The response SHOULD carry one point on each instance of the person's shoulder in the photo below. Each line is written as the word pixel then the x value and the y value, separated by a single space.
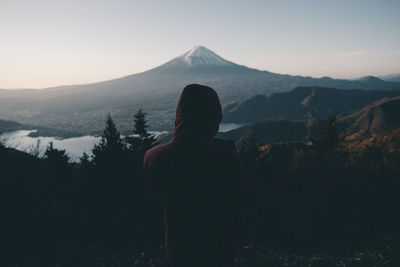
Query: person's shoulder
pixel 157 151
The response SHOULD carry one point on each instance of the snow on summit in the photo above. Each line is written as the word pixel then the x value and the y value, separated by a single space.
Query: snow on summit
pixel 200 55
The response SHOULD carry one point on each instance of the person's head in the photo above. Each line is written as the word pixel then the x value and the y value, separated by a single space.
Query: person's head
pixel 198 112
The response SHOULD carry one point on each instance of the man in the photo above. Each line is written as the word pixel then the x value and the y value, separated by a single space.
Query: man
pixel 199 184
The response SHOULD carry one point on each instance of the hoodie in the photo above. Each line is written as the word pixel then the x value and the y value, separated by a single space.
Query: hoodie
pixel 198 184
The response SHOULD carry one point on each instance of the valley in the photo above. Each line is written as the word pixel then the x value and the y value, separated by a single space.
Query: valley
pixel 82 108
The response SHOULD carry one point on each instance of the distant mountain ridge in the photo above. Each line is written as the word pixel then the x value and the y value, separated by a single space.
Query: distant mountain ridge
pixel 302 103
pixel 391 78
pixel 82 108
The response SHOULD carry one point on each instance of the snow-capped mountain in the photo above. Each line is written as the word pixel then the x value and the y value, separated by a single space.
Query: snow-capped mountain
pixel 82 108
pixel 199 59
pixel 200 55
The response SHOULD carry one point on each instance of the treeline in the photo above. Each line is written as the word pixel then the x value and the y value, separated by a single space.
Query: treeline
pixel 62 212
pixel 323 195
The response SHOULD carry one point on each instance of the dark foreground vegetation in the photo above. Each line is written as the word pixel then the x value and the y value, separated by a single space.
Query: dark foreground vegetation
pixel 331 201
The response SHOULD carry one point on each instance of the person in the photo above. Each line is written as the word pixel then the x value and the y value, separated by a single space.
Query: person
pixel 199 183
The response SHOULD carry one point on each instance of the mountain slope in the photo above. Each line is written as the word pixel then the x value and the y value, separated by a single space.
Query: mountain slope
pixel 274 132
pixel 82 108
pixel 382 116
pixel 11 126
pixel 302 103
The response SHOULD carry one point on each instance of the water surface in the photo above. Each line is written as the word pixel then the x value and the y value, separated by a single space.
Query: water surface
pixel 74 147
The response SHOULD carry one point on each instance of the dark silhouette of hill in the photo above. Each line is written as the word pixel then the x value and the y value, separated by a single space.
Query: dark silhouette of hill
pixel 375 83
pixel 302 103
pixel 381 115
pixel 10 126
pixel 274 132
pixel 81 108
pixel 15 156
pixel 372 80
pixel 391 78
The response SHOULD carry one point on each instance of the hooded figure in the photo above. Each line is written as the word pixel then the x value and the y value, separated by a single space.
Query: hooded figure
pixel 197 183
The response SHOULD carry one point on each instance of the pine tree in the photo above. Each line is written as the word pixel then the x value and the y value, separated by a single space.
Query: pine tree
pixel 330 133
pixel 329 138
pixel 141 125
pixel 143 140
pixel 110 146
pixel 85 160
pixel 56 156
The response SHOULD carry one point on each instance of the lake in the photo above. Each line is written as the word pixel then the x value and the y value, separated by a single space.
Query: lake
pixel 74 147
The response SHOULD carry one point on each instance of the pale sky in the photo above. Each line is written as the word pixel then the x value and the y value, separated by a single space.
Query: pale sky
pixel 46 43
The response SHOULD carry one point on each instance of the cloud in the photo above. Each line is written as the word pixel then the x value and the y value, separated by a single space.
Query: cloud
pixel 353 53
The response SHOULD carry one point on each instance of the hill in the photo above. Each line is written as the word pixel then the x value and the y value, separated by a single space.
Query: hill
pixel 391 78
pixel 11 126
pixel 82 108
pixel 381 118
pixel 302 103
pixel 381 115
pixel 274 132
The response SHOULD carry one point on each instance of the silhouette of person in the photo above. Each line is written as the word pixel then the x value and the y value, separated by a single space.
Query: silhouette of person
pixel 198 183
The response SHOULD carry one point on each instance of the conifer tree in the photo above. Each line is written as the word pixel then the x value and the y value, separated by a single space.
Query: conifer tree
pixel 143 139
pixel 110 145
pixel 329 137
pixel 330 134
pixel 85 160
pixel 141 125
pixel 56 156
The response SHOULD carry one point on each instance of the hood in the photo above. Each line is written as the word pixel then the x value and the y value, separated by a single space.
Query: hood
pixel 198 112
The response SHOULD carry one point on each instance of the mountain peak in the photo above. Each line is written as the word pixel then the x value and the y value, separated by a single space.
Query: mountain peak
pixel 200 55
pixel 370 79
